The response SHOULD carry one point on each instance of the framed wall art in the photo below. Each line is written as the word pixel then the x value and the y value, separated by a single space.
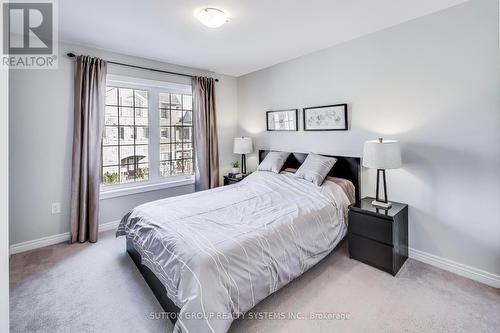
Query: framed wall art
pixel 285 120
pixel 326 118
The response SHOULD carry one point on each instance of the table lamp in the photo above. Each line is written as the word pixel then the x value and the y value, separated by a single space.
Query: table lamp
pixel 243 145
pixel 382 155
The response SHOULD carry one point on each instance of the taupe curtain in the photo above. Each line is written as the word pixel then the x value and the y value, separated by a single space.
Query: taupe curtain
pixel 205 134
pixel 90 89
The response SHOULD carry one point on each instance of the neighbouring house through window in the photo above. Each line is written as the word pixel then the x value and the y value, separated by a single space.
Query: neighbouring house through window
pixel 133 112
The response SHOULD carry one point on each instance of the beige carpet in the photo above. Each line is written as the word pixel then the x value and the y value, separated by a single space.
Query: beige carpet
pixel 97 288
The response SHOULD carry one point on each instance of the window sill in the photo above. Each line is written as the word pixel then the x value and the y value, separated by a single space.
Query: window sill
pixel 119 191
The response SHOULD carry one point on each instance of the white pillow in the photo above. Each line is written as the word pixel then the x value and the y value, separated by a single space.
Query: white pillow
pixel 315 168
pixel 273 161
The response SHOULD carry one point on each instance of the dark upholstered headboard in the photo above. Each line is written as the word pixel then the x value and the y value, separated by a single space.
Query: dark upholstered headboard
pixel 346 167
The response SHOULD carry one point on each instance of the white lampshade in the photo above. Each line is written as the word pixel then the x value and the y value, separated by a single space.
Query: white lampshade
pixel 242 145
pixel 382 154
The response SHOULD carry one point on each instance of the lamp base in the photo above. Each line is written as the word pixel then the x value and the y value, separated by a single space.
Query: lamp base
pixel 380 204
pixel 243 164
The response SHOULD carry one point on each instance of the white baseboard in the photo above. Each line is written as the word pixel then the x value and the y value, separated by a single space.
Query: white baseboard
pixel 55 239
pixel 456 267
pixel 37 243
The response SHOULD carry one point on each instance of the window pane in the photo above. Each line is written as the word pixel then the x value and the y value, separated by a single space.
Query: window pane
pixel 110 175
pixel 127 121
pixel 126 116
pixel 186 134
pixel 111 115
pixel 188 166
pixel 110 135
pixel 142 135
pixel 141 117
pixel 178 134
pixel 111 96
pixel 142 172
pixel 165 169
pixel 178 168
pixel 165 152
pixel 141 99
pixel 177 150
pixel 175 101
pixel 177 117
pixel 109 156
pixel 141 153
pixel 126 135
pixel 127 155
pixel 127 173
pixel 187 118
pixel 187 102
pixel 164 100
pixel 126 97
pixel 187 150
pixel 187 154
pixel 164 134
pixel 164 117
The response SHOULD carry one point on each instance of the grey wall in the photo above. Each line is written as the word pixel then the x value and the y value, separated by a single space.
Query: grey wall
pixel 113 209
pixel 433 84
pixel 41 125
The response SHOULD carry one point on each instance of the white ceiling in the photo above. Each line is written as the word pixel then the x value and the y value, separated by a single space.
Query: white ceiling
pixel 261 33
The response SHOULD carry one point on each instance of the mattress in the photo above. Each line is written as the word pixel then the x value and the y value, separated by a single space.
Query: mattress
pixel 219 252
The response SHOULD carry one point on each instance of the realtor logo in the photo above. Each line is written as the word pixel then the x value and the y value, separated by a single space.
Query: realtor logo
pixel 29 34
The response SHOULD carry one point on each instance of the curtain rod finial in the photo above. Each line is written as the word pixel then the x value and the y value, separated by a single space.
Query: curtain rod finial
pixel 70 54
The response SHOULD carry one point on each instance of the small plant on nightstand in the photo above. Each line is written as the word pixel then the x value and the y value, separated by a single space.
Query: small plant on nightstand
pixel 236 167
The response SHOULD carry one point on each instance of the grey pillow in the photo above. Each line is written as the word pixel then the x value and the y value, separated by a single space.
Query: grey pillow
pixel 315 168
pixel 273 161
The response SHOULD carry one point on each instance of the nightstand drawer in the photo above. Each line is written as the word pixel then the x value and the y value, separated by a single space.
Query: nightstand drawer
pixel 371 252
pixel 230 181
pixel 371 227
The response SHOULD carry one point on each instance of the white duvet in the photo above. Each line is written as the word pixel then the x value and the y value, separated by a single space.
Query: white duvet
pixel 219 252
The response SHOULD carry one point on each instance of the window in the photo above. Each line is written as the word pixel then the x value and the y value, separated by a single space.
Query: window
pixel 176 140
pixel 125 156
pixel 148 132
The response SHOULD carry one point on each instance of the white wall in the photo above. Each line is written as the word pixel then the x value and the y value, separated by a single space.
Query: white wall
pixel 433 84
pixel 41 111
pixel 4 193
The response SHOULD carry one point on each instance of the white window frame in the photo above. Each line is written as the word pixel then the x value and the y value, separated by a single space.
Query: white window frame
pixel 155 181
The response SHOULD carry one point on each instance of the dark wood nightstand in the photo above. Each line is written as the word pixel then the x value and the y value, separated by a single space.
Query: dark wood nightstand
pixel 229 180
pixel 379 237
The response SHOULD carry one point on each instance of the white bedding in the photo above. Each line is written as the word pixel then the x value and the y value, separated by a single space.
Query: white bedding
pixel 219 252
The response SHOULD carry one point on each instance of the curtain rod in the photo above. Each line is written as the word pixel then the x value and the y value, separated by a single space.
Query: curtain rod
pixel 72 55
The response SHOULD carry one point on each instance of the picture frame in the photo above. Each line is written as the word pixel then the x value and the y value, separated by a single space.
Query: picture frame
pixel 326 118
pixel 282 120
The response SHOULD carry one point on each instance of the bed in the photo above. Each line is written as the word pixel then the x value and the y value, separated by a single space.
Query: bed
pixel 211 256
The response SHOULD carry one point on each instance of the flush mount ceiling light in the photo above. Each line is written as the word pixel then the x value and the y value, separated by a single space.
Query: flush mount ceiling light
pixel 212 17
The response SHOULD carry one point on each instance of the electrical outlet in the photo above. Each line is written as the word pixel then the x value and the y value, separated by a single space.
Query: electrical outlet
pixel 56 208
